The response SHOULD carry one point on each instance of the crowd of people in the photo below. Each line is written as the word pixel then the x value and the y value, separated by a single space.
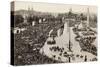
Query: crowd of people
pixel 86 41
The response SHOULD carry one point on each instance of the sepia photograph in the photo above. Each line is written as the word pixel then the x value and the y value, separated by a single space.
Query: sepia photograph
pixel 50 33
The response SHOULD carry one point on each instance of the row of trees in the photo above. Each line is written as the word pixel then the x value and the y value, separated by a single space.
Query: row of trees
pixel 17 19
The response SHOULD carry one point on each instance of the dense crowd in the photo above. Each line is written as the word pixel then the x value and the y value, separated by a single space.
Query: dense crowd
pixel 86 42
pixel 28 44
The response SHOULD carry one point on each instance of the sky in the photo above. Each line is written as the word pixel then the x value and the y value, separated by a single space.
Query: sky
pixel 55 8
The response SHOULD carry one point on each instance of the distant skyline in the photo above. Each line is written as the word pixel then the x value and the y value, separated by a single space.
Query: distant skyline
pixel 54 8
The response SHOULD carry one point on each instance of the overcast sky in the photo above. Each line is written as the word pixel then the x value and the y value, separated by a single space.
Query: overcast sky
pixel 55 8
